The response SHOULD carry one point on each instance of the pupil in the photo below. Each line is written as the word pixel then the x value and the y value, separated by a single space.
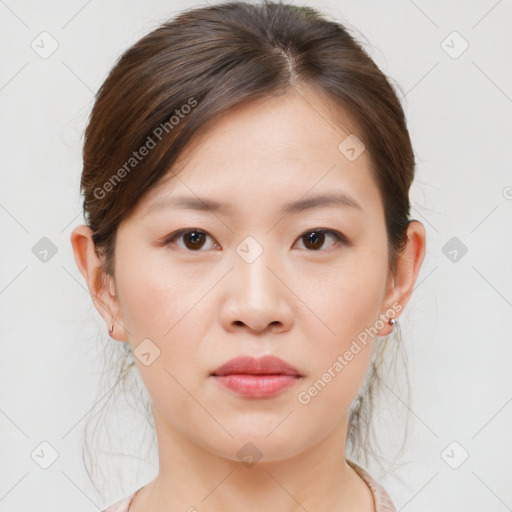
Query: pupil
pixel 314 237
pixel 196 238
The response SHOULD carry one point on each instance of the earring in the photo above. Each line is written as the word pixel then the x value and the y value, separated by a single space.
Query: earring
pixel 392 322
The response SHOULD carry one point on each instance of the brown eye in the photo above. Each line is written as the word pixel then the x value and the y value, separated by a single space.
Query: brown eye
pixel 193 239
pixel 315 239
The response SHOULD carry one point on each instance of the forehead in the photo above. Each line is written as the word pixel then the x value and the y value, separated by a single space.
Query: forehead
pixel 274 151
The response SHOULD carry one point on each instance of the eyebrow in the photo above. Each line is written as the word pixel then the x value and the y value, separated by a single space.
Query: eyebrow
pixel 337 199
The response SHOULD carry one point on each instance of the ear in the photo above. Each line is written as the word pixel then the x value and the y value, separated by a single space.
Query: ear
pixel 400 285
pixel 101 286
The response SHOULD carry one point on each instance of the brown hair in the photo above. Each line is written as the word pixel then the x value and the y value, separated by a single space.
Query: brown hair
pixel 171 85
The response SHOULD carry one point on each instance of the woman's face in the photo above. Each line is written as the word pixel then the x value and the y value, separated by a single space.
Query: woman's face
pixel 255 280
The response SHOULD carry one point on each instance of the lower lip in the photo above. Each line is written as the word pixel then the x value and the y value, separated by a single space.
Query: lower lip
pixel 256 386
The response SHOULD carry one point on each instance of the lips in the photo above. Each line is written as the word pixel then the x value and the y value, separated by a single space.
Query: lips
pixel 266 365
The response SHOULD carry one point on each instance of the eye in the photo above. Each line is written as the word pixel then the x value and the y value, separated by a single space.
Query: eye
pixel 194 239
pixel 315 238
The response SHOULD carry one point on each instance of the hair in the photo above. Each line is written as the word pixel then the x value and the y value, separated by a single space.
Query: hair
pixel 171 86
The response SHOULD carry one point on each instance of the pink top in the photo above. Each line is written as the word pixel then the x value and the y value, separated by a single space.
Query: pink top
pixel 382 500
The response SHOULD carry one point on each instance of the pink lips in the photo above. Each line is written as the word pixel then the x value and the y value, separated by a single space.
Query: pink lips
pixel 256 378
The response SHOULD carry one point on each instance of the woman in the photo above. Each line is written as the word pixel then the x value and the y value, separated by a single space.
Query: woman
pixel 246 194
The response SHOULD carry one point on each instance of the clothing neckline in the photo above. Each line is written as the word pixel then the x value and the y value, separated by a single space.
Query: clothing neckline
pixel 132 497
pixel 381 498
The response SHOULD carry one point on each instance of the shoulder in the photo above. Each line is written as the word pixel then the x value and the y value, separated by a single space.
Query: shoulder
pixel 121 505
pixel 383 502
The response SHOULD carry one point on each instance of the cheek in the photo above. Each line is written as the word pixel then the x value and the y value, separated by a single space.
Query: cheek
pixel 154 295
pixel 340 356
pixel 328 394
pixel 163 304
pixel 348 302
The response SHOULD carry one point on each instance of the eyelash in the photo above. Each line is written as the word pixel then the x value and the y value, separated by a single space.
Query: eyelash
pixel 336 234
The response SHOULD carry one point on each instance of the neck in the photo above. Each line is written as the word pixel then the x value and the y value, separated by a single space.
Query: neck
pixel 193 478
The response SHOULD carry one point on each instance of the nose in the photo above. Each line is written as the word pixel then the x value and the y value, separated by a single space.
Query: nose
pixel 257 297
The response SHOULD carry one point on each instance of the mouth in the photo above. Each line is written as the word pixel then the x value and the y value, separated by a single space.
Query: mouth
pixel 256 386
pixel 256 378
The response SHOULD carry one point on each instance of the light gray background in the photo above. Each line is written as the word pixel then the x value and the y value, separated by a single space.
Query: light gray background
pixel 456 328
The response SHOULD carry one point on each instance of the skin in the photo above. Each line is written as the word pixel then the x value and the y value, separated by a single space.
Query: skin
pixel 204 306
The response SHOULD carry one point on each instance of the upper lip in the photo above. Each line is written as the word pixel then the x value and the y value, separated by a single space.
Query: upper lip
pixel 266 365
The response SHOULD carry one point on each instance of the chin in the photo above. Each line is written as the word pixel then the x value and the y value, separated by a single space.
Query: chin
pixel 253 445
